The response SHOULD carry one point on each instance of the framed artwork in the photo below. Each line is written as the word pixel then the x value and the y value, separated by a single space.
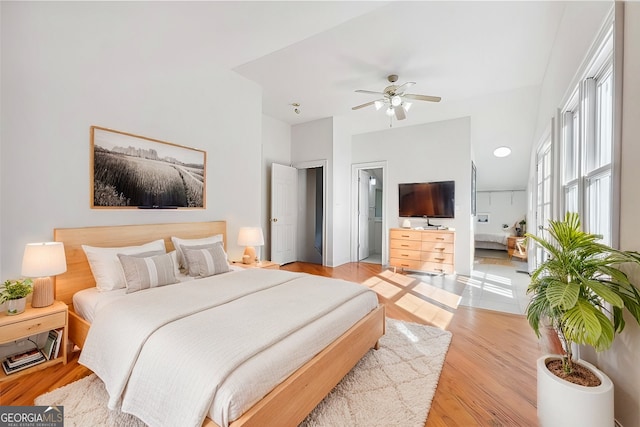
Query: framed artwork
pixel 483 218
pixel 131 171
pixel 473 189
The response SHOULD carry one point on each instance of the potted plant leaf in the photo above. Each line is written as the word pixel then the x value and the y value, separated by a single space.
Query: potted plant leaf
pixel 14 293
pixel 581 292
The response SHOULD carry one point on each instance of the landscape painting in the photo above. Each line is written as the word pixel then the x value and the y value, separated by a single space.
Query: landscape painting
pixel 130 171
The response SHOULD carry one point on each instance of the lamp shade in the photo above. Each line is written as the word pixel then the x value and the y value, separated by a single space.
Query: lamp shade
pixel 43 259
pixel 250 236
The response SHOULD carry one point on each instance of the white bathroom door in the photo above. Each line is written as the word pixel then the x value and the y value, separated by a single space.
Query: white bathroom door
pixel 284 213
pixel 363 214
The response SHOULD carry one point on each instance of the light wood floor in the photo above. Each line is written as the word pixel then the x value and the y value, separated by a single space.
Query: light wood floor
pixel 488 378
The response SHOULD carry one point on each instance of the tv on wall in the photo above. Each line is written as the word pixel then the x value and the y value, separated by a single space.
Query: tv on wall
pixel 427 199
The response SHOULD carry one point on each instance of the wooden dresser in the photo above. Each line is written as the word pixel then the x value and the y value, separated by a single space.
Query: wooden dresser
pixel 422 250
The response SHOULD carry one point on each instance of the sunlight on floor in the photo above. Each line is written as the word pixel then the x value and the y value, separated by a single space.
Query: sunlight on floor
pixel 437 294
pixel 426 311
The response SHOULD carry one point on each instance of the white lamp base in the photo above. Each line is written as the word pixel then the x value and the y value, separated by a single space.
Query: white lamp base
pixel 42 292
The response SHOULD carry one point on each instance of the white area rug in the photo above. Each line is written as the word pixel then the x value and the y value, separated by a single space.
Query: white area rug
pixel 390 386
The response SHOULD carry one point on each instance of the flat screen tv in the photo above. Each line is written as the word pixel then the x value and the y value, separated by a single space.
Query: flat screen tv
pixel 427 199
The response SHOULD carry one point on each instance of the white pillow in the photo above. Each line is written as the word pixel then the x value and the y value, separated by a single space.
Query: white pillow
pixel 106 267
pixel 178 242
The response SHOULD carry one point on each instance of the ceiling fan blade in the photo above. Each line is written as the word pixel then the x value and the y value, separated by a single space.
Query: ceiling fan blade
pixel 422 97
pixel 400 115
pixel 400 90
pixel 357 107
pixel 369 91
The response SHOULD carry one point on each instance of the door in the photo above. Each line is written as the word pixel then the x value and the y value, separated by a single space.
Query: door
pixel 284 218
pixel 363 214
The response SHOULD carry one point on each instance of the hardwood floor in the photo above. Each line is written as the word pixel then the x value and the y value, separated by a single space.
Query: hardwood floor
pixel 488 378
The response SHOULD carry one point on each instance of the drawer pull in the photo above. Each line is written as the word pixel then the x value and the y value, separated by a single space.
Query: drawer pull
pixel 439 259
pixel 439 269
pixel 439 238
pixel 405 246
pixel 404 254
pixel 404 235
pixel 37 325
pixel 440 249
pixel 405 265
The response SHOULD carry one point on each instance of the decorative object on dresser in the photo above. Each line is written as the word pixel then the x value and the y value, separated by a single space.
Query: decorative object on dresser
pixel 52 319
pixel 41 261
pixel 422 250
pixel 14 293
pixel 250 237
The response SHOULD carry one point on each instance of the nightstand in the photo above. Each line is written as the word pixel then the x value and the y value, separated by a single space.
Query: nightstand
pixel 32 322
pixel 261 264
pixel 516 248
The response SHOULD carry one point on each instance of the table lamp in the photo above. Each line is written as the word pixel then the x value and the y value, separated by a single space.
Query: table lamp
pixel 250 237
pixel 41 261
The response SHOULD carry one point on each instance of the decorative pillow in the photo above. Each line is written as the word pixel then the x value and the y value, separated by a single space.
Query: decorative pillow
pixel 206 262
pixel 106 267
pixel 148 272
pixel 178 242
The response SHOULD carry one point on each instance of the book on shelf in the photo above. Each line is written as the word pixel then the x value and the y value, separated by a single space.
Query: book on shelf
pixel 50 345
pixel 24 357
pixel 56 350
pixel 24 365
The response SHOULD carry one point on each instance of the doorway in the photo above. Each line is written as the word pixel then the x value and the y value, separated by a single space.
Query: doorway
pixel 369 225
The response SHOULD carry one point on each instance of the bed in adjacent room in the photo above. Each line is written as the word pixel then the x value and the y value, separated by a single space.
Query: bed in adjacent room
pixel 497 241
pixel 239 348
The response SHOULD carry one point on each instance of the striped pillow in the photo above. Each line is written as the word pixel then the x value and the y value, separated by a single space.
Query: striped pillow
pixel 148 272
pixel 206 262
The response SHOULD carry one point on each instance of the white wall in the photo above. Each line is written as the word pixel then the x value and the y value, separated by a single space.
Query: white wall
pixel 438 151
pixel 621 361
pixel 67 66
pixel 276 148
pixel 572 43
pixel 503 207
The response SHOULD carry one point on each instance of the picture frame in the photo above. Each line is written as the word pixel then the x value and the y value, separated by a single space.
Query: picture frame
pixel 130 171
pixel 482 218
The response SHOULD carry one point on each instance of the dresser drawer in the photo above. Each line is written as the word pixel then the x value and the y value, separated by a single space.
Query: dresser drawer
pixel 414 245
pixel 443 247
pixel 32 326
pixel 405 254
pixel 437 257
pixel 409 264
pixel 405 234
pixel 437 236
pixel 437 268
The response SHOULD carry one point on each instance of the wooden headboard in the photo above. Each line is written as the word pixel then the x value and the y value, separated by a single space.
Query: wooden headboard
pixel 79 276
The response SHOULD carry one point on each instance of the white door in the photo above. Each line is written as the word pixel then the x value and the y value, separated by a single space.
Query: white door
pixel 363 214
pixel 284 213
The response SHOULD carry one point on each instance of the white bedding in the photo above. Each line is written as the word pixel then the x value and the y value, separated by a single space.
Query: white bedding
pixel 224 341
pixel 500 238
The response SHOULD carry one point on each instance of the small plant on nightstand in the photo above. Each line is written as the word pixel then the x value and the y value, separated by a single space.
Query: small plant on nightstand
pixel 14 293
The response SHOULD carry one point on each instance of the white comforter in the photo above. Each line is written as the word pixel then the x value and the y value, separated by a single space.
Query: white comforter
pixel 166 353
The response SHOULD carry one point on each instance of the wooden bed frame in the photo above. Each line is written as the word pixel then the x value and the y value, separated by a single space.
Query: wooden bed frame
pixel 287 404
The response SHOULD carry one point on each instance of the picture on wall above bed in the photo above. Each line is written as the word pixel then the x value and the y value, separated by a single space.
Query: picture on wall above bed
pixel 131 171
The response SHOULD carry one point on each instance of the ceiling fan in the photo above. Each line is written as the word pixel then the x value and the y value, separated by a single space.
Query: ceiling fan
pixel 395 99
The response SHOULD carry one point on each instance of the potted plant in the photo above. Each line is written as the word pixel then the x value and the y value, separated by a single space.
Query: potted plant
pixel 580 291
pixel 14 293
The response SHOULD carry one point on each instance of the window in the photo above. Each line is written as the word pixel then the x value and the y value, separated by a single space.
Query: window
pixel 587 146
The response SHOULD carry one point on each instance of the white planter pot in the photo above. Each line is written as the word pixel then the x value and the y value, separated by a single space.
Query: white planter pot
pixel 561 403
pixel 15 306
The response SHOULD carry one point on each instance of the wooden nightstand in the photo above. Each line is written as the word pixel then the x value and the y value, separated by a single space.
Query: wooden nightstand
pixel 261 264
pixel 32 322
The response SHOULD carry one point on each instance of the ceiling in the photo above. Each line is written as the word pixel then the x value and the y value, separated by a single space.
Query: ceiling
pixel 487 60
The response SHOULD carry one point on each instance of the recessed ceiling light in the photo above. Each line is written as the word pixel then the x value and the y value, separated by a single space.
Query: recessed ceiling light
pixel 502 151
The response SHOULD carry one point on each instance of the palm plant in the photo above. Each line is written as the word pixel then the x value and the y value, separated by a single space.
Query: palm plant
pixel 580 289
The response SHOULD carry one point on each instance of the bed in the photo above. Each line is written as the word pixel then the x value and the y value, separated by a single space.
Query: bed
pixel 497 241
pixel 290 400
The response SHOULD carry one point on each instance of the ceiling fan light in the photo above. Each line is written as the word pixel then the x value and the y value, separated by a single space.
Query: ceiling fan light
pixel 396 100
pixel 378 104
pixel 406 106
pixel 390 111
